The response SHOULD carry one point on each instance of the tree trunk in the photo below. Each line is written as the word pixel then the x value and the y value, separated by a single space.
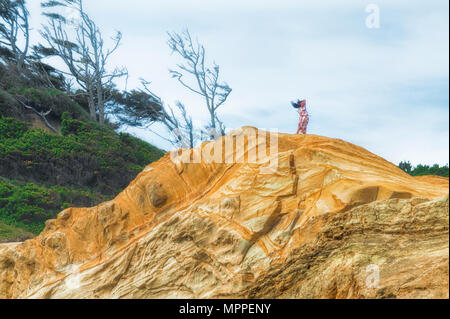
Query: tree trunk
pixel 213 121
pixel 101 103
pixel 92 110
pixel 101 107
pixel 191 137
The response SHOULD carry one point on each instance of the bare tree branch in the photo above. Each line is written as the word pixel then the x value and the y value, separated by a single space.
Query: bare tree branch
pixel 15 29
pixel 43 115
pixel 205 80
pixel 84 53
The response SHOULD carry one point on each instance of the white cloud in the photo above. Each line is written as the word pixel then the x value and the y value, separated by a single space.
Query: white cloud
pixel 385 89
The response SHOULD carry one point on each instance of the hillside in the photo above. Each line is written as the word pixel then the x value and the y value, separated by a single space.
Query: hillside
pixel 317 227
pixel 42 173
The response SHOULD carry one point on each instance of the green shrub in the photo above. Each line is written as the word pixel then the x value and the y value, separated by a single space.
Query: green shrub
pixel 71 126
pixel 422 170
pixel 45 99
pixel 10 234
pixel 29 205
pixel 8 105
pixel 86 155
pixel 42 173
pixel 11 128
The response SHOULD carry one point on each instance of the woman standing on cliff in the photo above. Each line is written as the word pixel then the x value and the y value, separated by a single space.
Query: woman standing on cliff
pixel 304 116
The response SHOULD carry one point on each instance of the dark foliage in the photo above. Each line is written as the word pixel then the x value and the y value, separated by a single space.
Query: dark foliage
pixel 87 155
pixel 41 173
pixel 137 108
pixel 29 205
pixel 422 170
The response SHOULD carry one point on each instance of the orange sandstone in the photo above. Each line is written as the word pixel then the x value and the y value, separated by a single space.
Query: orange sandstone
pixel 333 221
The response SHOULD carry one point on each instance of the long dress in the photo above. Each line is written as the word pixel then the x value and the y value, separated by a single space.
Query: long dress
pixel 304 120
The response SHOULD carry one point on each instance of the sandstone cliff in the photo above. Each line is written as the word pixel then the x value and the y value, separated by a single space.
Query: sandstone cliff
pixel 333 221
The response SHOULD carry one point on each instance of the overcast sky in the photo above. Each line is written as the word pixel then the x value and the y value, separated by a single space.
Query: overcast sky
pixel 385 89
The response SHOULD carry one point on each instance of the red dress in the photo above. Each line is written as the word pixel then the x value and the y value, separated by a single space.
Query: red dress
pixel 304 120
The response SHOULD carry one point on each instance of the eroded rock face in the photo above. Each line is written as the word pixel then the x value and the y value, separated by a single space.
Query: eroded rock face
pixel 157 194
pixel 333 221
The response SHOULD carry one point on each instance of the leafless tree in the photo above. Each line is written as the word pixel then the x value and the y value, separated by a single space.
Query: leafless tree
pixel 142 108
pixel 41 114
pixel 202 80
pixel 79 43
pixel 178 122
pixel 180 127
pixel 15 29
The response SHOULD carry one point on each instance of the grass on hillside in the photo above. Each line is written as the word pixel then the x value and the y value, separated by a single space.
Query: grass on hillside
pixel 29 205
pixel 85 155
pixel 11 234
pixel 42 173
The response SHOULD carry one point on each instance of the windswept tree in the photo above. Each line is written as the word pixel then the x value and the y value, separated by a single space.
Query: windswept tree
pixel 142 108
pixel 48 75
pixel 15 30
pixel 80 45
pixel 199 78
pixel 24 68
pixel 180 126
pixel 137 108
pixel 406 166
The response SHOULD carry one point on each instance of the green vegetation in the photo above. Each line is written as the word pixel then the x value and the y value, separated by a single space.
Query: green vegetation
pixel 42 173
pixel 28 205
pixel 44 99
pixel 10 234
pixel 421 170
pixel 8 104
pixel 78 163
pixel 58 146
pixel 85 155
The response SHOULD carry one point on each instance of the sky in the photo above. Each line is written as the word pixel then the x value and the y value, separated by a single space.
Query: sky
pixel 385 88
